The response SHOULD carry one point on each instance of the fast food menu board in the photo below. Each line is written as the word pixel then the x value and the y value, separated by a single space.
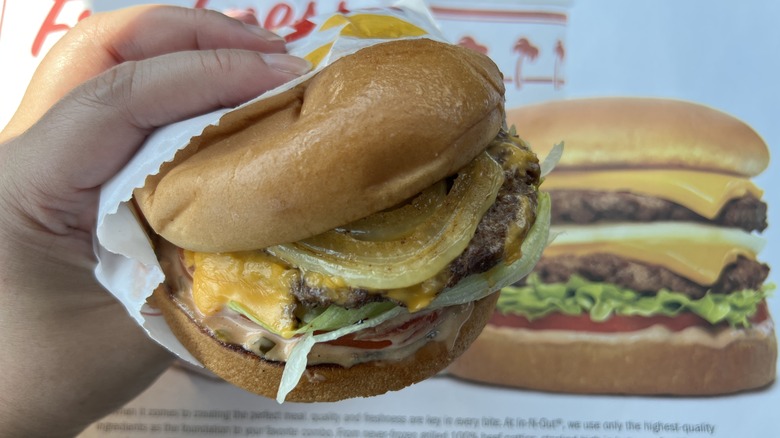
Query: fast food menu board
pixel 611 49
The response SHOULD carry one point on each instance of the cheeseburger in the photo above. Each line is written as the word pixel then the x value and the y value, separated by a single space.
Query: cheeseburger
pixel 651 285
pixel 345 238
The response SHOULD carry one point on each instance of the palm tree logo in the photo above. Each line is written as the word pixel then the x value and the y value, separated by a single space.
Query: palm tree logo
pixel 560 54
pixel 526 50
pixel 470 42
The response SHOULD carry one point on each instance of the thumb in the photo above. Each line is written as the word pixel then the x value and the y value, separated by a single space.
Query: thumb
pixel 90 134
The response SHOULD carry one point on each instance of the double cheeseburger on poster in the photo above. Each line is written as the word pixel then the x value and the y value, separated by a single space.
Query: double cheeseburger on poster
pixel 652 284
pixel 343 235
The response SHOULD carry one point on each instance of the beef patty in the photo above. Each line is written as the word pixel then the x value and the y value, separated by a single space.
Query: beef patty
pixel 742 274
pixel 589 207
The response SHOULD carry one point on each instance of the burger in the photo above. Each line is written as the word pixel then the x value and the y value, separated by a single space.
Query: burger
pixel 345 237
pixel 651 285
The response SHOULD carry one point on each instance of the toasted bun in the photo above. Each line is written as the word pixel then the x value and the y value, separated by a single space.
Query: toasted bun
pixel 375 127
pixel 642 132
pixel 320 383
pixel 649 362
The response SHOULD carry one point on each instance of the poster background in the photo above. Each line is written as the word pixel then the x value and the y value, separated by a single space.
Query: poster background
pixel 717 53
pixel 720 53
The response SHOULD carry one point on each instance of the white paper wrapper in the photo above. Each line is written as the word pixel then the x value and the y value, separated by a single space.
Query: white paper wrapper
pixel 127 265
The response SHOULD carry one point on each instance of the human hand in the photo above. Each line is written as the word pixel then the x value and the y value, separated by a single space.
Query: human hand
pixel 71 353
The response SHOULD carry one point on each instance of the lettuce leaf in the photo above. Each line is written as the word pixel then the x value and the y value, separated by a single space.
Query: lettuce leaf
pixel 336 317
pixel 603 300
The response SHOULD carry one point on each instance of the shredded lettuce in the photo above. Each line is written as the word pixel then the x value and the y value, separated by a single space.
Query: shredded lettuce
pixel 551 160
pixel 335 322
pixel 296 362
pixel 336 317
pixel 603 300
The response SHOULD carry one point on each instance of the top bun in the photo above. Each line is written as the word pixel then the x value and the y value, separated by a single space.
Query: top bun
pixel 642 132
pixel 364 134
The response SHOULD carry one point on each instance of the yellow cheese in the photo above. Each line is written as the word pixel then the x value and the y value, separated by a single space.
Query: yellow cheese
pixel 697 252
pixel 255 280
pixel 703 192
pixel 419 296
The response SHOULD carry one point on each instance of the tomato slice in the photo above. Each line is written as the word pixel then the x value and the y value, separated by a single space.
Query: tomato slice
pixel 365 344
pixel 615 324
pixel 381 337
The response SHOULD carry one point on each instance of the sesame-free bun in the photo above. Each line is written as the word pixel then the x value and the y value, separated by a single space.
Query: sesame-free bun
pixel 362 135
pixel 649 362
pixel 320 383
pixel 626 132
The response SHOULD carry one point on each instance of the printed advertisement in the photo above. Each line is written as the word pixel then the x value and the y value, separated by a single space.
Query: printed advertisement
pixel 650 313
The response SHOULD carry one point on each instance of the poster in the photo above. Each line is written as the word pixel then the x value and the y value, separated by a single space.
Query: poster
pixel 720 54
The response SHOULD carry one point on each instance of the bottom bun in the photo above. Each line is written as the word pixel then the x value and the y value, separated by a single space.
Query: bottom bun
pixel 654 361
pixel 324 382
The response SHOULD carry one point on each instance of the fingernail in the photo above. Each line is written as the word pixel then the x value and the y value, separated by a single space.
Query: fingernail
pixel 243 15
pixel 286 63
pixel 262 32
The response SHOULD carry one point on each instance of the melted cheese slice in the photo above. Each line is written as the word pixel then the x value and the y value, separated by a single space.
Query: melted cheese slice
pixel 703 192
pixel 255 280
pixel 697 252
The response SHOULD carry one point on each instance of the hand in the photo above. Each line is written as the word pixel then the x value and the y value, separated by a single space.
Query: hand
pixel 71 354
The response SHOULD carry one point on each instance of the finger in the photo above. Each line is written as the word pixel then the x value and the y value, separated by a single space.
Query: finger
pixel 247 16
pixel 147 31
pixel 89 135
pixel 105 40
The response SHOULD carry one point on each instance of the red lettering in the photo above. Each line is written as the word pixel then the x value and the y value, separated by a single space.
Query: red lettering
pixel 309 11
pixel 303 26
pixel 50 25
pixel 279 16
pixel 200 4
pixel 343 7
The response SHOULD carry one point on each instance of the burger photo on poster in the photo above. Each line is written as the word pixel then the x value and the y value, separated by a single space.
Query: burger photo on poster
pixel 346 237
pixel 652 284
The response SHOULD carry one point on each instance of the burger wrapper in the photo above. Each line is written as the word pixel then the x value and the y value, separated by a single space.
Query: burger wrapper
pixel 127 265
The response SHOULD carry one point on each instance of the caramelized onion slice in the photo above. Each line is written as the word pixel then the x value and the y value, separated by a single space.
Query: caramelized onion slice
pixel 419 253
pixel 398 222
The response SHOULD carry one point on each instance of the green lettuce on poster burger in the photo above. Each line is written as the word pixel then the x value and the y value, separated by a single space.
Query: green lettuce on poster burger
pixel 605 307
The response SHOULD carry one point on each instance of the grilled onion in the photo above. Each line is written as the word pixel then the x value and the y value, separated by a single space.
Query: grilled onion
pixel 418 252
pixel 398 222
